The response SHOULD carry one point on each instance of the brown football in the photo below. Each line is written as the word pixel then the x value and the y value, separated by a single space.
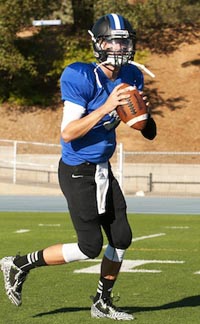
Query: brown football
pixel 134 113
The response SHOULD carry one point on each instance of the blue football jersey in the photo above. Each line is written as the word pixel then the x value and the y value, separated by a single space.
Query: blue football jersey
pixel 81 85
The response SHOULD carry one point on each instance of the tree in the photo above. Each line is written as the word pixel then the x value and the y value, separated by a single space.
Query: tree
pixel 30 67
pixel 83 14
pixel 16 61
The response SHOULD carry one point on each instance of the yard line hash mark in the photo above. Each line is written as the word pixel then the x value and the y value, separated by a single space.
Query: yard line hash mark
pixel 129 266
pixel 143 237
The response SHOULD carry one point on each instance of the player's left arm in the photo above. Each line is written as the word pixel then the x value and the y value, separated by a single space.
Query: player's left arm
pixel 150 130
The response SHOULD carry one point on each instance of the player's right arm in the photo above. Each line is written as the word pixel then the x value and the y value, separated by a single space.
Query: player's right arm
pixel 75 124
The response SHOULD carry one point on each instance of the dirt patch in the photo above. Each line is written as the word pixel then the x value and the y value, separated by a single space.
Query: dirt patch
pixel 174 96
pixel 175 100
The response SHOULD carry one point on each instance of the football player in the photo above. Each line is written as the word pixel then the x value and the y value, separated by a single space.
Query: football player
pixel 90 93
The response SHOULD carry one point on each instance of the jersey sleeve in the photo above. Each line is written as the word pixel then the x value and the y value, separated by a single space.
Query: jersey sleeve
pixel 76 84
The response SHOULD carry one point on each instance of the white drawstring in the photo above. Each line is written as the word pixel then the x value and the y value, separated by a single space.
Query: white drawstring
pixel 141 66
pixel 96 74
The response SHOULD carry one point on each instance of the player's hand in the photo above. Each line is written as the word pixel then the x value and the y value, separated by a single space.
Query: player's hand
pixel 117 97
pixel 145 100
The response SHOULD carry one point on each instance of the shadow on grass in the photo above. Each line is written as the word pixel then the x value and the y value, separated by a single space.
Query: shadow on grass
pixel 63 310
pixel 191 301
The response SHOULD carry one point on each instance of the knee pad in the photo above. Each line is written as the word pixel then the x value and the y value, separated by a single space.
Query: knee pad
pixel 114 254
pixel 71 252
pixel 122 239
pixel 91 248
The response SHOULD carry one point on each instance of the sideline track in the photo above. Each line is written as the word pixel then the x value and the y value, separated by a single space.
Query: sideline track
pixel 142 205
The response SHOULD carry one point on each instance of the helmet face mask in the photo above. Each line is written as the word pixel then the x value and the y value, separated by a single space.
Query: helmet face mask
pixel 113 40
pixel 115 51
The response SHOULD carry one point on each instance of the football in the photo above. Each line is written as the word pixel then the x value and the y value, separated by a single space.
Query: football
pixel 134 113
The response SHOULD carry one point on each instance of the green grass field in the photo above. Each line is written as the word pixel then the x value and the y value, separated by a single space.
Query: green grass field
pixel 162 287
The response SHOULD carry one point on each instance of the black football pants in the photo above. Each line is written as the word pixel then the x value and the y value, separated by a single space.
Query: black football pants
pixel 79 188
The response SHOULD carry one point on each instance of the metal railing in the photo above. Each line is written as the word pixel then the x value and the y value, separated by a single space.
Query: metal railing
pixel 22 161
pixel 146 172
pixel 161 172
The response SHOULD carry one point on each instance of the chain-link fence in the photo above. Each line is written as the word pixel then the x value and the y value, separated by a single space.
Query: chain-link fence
pixel 141 173
pixel 29 162
pixel 169 173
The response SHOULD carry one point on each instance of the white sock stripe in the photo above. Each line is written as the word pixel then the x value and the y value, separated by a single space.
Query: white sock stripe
pixel 100 287
pixel 29 258
pixel 36 256
pixel 32 257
